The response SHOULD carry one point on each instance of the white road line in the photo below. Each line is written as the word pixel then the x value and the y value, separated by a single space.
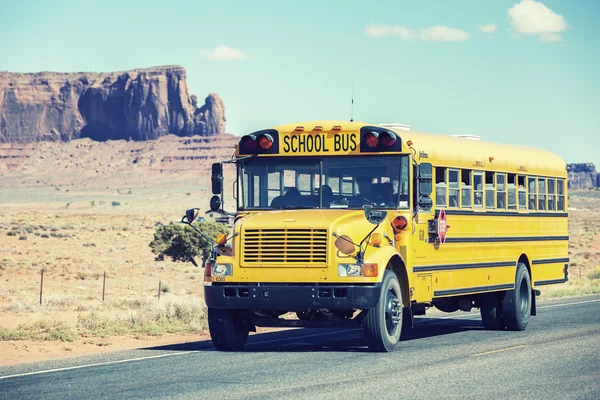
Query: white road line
pixel 570 304
pixel 95 365
pixel 162 355
pixel 249 344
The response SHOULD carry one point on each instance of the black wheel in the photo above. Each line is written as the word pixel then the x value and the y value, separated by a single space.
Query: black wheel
pixel 226 331
pixel 516 305
pixel 383 323
pixel 490 307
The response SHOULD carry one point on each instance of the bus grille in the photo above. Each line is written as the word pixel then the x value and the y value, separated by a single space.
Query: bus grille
pixel 285 246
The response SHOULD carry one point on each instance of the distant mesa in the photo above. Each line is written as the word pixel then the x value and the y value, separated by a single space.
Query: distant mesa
pixel 141 104
pixel 583 176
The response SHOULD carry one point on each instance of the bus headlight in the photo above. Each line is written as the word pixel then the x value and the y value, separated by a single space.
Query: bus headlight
pixel 222 270
pixel 349 270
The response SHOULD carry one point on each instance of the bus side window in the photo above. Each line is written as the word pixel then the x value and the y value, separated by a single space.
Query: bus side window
pixel 489 190
pixel 532 194
pixel 541 194
pixel 551 194
pixel 522 193
pixel 560 185
pixel 500 191
pixel 512 192
pixel 453 188
pixel 440 186
pixel 478 188
pixel 466 188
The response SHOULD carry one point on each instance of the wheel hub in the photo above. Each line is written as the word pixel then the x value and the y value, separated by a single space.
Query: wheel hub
pixel 393 312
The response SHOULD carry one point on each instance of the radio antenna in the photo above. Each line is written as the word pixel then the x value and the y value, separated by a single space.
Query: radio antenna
pixel 352 102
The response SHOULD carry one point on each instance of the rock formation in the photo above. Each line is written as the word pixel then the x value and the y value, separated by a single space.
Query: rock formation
pixel 134 105
pixel 583 176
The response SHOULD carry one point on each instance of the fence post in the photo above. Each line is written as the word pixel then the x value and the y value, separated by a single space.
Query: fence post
pixel 103 286
pixel 159 289
pixel 41 285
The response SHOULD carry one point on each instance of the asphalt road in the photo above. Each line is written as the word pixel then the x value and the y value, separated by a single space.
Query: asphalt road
pixel 557 357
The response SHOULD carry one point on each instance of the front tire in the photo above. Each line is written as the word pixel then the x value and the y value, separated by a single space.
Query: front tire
pixel 383 323
pixel 226 330
pixel 516 305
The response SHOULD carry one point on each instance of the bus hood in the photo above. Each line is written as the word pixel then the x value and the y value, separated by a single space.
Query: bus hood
pixel 302 238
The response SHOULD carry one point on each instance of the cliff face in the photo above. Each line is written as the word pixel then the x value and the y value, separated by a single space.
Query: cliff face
pixel 139 105
pixel 583 176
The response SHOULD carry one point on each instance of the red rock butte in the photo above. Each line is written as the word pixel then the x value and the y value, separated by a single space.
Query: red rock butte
pixel 140 104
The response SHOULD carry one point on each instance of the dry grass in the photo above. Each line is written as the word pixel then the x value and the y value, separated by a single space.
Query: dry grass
pixel 86 240
pixel 151 318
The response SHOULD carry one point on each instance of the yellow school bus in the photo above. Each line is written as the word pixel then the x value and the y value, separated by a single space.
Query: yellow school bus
pixel 347 224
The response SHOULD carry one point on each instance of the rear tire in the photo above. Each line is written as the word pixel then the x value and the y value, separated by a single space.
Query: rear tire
pixel 226 331
pixel 491 311
pixel 383 323
pixel 516 305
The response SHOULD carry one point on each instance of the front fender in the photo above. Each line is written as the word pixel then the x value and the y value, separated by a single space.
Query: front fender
pixel 381 256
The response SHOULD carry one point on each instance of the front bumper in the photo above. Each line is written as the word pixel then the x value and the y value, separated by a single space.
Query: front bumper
pixel 291 297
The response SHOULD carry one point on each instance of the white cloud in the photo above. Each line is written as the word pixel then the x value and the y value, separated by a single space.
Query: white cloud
pixel 387 30
pixel 224 53
pixel 489 28
pixel 438 33
pixel 442 33
pixel 530 17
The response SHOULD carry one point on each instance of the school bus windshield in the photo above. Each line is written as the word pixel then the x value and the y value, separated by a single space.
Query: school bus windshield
pixel 324 182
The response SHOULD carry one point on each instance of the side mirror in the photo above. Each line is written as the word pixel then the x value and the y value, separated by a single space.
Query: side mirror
pixel 192 214
pixel 215 203
pixel 217 178
pixel 375 216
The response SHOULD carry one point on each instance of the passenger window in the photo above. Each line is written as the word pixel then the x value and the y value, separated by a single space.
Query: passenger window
pixel 551 194
pixel 560 185
pixel 522 193
pixel 501 191
pixel 466 188
pixel 489 190
pixel 541 194
pixel 478 189
pixel 453 188
pixel 440 187
pixel 334 183
pixel 512 192
pixel 532 194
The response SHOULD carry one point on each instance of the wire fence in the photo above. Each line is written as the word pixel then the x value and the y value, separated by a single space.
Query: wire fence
pixel 20 283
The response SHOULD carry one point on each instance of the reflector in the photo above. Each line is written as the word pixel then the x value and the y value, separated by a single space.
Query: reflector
pixel 221 239
pixel 370 269
pixel 399 223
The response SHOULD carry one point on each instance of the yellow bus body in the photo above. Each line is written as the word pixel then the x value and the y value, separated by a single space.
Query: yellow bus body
pixel 482 247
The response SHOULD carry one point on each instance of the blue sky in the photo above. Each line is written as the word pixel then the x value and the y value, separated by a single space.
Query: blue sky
pixel 513 71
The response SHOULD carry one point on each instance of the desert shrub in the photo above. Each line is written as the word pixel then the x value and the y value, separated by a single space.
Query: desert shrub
pixel 595 274
pixel 182 243
pixel 39 330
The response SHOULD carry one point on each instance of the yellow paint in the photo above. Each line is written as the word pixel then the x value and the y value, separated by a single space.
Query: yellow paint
pixel 498 351
pixel 256 259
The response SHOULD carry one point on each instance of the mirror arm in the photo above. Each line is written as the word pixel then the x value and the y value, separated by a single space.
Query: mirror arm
pixel 185 221
pixel 361 252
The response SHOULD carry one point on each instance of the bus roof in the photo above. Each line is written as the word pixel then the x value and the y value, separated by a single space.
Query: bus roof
pixel 453 151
